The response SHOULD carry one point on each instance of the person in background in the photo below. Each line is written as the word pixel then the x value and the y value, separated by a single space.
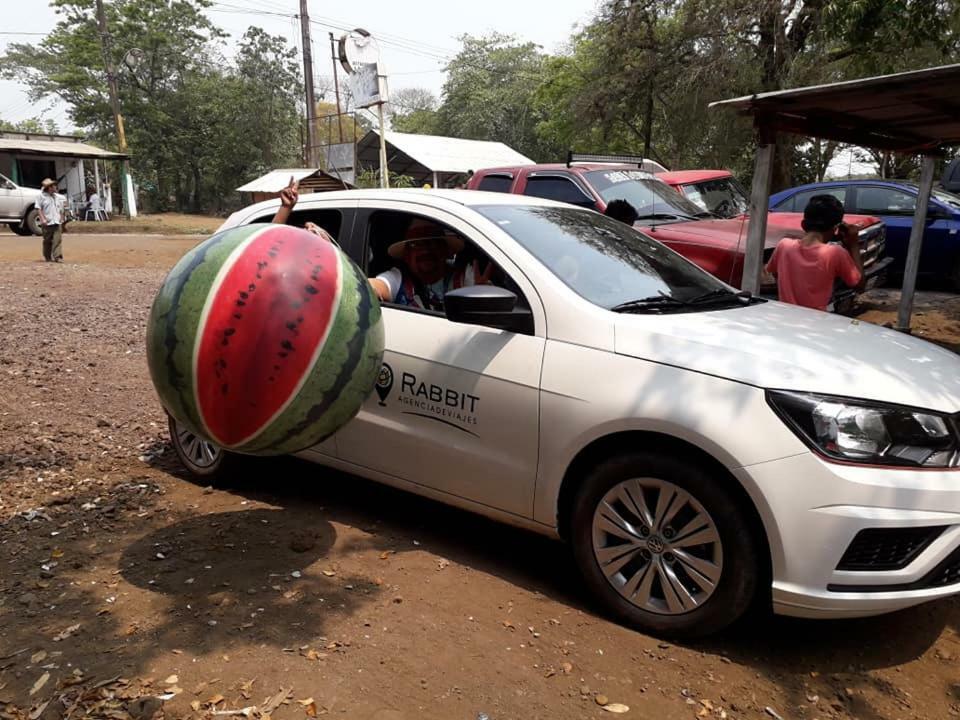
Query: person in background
pixel 51 217
pixel 806 268
pixel 621 210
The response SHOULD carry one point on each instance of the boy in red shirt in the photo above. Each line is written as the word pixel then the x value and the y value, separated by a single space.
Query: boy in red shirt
pixel 806 268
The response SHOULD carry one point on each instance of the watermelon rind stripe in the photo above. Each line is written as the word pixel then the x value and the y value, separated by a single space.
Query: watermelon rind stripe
pixel 175 316
pixel 350 362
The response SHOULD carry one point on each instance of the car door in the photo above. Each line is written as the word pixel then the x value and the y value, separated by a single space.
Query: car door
pixel 9 199
pixel 456 408
pixel 896 207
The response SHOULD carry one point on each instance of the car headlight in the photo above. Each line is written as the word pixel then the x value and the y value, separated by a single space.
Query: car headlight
pixel 870 433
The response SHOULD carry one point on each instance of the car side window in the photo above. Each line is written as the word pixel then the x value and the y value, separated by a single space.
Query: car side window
pixel 465 265
pixel 557 188
pixel 330 220
pixel 496 183
pixel 874 200
pixel 801 199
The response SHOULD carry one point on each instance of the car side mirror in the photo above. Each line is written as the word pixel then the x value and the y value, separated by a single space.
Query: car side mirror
pixel 487 305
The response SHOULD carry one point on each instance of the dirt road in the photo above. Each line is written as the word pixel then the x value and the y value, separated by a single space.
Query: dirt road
pixel 361 601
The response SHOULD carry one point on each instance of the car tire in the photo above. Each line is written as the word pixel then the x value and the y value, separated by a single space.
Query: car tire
pixel 20 229
pixel 32 222
pixel 204 460
pixel 652 577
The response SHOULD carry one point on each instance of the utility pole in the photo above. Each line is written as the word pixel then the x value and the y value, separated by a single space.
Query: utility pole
pixel 308 82
pixel 336 83
pixel 129 207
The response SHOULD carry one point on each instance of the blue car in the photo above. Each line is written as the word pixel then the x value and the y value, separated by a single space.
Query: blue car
pixel 894 202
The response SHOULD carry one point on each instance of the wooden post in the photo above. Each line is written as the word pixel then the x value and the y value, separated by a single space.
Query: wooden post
pixel 126 183
pixel 916 243
pixel 759 202
pixel 308 85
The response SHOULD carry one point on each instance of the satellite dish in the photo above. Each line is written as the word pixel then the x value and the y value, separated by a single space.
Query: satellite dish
pixel 358 48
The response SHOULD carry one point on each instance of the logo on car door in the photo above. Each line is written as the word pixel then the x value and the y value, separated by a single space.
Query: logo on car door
pixel 384 383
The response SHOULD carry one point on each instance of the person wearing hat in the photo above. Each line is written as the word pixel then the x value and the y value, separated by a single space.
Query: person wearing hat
pixel 424 275
pixel 806 268
pixel 51 219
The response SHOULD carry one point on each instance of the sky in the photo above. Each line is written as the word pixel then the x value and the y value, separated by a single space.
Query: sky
pixel 415 36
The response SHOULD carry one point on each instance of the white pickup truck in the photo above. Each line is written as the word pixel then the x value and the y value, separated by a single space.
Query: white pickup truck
pixel 17 207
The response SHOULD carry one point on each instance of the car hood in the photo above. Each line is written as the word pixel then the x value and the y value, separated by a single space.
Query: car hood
pixel 780 346
pixel 732 232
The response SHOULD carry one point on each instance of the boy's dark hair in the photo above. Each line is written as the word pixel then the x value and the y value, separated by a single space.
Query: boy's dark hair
pixel 822 213
pixel 621 210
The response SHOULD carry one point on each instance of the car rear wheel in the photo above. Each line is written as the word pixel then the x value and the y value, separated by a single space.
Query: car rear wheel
pixel 200 457
pixel 663 545
pixel 20 229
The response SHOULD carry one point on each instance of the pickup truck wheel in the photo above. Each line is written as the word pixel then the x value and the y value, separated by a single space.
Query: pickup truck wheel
pixel 19 229
pixel 201 458
pixel 32 222
pixel 662 545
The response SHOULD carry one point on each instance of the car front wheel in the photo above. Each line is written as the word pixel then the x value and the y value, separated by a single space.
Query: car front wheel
pixel 663 545
pixel 202 458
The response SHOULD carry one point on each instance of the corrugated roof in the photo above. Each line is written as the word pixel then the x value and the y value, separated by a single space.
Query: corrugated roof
pixel 441 154
pixel 276 180
pixel 56 147
pixel 910 111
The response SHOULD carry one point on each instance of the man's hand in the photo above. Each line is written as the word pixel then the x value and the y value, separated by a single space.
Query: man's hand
pixel 482 278
pixel 849 235
pixel 290 194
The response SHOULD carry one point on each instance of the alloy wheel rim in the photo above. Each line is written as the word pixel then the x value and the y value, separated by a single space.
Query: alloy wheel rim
pixel 199 452
pixel 657 546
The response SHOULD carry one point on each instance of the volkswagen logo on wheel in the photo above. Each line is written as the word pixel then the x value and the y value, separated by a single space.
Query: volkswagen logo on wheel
pixel 384 383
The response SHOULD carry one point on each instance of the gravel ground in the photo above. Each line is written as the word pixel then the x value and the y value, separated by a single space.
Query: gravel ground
pixel 301 592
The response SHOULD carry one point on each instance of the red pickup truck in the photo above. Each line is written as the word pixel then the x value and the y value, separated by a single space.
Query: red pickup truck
pixel 715 244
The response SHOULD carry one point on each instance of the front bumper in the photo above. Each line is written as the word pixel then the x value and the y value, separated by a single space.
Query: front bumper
pixel 815 509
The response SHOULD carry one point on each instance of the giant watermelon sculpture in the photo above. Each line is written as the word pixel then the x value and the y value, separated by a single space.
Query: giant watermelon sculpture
pixel 264 339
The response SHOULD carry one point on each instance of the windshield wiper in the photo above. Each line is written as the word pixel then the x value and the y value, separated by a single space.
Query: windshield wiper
pixel 654 302
pixel 664 216
pixel 720 295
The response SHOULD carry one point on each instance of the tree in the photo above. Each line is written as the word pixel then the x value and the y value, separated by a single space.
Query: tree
pixel 489 94
pixel 413 110
pixel 31 125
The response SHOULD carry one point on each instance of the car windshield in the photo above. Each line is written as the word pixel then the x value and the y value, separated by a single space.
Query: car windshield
pixel 609 263
pixel 652 199
pixel 947 198
pixel 724 196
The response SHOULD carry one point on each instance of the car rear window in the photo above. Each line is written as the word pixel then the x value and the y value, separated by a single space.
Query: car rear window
pixel 496 183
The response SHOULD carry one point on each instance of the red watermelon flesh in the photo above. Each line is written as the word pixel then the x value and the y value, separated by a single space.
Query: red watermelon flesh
pixel 266 322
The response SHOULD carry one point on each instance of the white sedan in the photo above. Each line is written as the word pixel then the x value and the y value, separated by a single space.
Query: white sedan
pixel 698 448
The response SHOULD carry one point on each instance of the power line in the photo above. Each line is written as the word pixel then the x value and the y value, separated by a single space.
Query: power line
pixel 20 32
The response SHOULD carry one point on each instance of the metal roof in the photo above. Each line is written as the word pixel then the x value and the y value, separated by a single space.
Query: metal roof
pixel 422 155
pixel 39 145
pixel 276 180
pixel 917 111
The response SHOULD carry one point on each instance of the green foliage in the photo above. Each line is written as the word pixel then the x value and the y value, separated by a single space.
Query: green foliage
pixel 31 125
pixel 489 91
pixel 370 178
